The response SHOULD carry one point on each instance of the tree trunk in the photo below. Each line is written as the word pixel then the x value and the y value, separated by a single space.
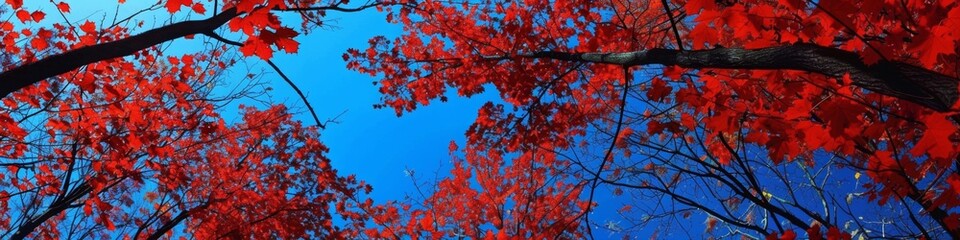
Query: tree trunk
pixel 897 79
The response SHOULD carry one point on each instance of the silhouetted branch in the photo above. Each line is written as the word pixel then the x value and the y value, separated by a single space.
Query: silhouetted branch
pixel 300 93
pixel 897 79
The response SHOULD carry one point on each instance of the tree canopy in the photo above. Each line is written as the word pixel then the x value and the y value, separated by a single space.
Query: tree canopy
pixel 743 113
pixel 745 118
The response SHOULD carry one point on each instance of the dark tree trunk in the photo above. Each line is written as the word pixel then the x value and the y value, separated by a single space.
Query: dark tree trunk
pixel 897 79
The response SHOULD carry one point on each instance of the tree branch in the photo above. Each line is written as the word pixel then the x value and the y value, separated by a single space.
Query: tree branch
pixel 673 23
pixel 30 73
pixel 897 79
pixel 25 75
pixel 59 206
pixel 334 7
pixel 183 215
pixel 300 93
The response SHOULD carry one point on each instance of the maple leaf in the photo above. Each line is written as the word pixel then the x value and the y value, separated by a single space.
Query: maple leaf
pixel 39 43
pixel 88 27
pixel 282 38
pixel 23 15
pixel 37 16
pixel 936 139
pixel 658 90
pixel 623 137
pixel 954 184
pixel 559 68
pixel 788 235
pixel 63 7
pixel 174 5
pixel 935 43
pixel 452 147
pixel 15 4
pixel 198 8
pixel 256 47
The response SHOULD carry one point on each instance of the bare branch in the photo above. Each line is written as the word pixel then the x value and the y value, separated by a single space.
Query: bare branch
pixel 297 89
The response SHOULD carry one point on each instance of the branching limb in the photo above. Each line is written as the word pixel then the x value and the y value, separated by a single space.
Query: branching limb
pixel 282 75
pixel 25 75
pixel 892 78
pixel 28 74
pixel 608 156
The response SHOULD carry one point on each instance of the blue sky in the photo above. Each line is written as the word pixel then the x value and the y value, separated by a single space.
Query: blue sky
pixel 374 144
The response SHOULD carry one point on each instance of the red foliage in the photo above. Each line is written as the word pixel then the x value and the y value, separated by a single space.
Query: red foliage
pixel 137 147
pixel 908 151
pixel 86 145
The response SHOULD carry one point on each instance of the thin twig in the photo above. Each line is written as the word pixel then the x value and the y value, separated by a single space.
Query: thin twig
pixel 222 39
pixel 608 155
pixel 282 75
pixel 297 89
pixel 673 23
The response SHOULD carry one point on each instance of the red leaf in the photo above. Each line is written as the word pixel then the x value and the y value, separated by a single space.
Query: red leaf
pixel 936 138
pixel 834 233
pixel 88 27
pixel 39 43
pixel 64 7
pixel 23 15
pixel 954 182
pixel 288 45
pixel 256 47
pixel 37 16
pixel 673 72
pixel 453 146
pixel 658 90
pixel 15 4
pixel 623 137
pixel 174 5
pixel 788 235
pixel 88 208
pixel 107 222
pixel 197 7
pixel 933 44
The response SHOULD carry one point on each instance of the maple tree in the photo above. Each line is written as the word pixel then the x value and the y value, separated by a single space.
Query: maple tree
pixel 766 118
pixel 726 110
pixel 103 134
